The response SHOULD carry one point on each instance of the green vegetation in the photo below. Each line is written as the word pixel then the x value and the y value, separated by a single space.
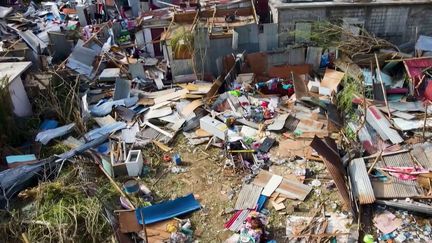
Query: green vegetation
pixel 351 89
pixel 66 210
pixel 182 43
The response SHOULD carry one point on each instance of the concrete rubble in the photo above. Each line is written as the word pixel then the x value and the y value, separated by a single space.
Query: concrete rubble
pixel 325 140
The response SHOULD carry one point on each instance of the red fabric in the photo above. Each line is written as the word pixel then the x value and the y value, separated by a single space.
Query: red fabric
pixel 428 92
pixel 397 91
pixel 415 69
pixel 416 66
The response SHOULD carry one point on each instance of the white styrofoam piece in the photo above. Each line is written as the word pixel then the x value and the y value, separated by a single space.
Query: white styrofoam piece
pixel 213 126
pixel 134 162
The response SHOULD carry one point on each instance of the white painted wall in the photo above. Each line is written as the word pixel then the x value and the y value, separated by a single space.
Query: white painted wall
pixel 20 101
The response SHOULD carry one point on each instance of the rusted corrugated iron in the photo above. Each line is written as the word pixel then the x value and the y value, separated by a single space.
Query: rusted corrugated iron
pixel 399 160
pixel 423 154
pixel 396 188
pixel 360 182
pixel 333 162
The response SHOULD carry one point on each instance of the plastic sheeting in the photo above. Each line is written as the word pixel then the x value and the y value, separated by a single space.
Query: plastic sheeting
pixel 46 136
pixel 12 181
pixel 424 43
pixel 107 129
pixel 84 147
pixel 167 210
pixel 103 109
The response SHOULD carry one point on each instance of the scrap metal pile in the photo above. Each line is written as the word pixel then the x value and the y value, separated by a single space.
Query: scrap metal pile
pixel 335 142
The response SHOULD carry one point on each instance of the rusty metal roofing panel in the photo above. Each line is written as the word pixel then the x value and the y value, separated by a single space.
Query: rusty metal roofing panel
pixel 291 123
pixel 423 154
pixel 360 182
pixel 289 188
pixel 248 197
pixel 334 165
pixel 399 160
pixel 396 188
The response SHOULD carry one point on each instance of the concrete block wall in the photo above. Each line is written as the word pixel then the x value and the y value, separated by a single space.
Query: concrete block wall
pixel 396 23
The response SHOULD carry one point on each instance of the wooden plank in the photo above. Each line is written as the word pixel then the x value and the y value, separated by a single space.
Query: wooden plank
pixel 331 79
pixel 170 96
pixel 288 188
pixel 162 146
pixel 191 107
pixel 277 206
pixel 159 129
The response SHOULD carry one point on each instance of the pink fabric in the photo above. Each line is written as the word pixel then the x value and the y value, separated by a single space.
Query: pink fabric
pixel 405 173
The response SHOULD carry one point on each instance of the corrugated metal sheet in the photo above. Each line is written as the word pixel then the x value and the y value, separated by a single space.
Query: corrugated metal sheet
pixel 236 222
pixel 407 106
pixel 313 56
pixel 269 37
pixel 424 43
pixel 277 58
pixel 297 56
pixel 289 188
pixel 380 123
pixel 423 154
pixel 291 123
pixel 360 182
pixel 334 165
pixel 408 206
pixel 248 197
pixel 399 160
pixel 181 67
pixel 396 189
pixel 36 44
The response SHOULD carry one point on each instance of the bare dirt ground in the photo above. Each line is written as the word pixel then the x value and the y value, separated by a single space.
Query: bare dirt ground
pixel 217 190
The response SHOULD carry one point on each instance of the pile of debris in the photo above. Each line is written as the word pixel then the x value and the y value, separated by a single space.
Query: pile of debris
pixel 315 135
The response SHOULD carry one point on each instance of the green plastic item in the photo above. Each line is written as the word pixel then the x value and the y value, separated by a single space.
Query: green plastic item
pixel 298 132
pixel 235 93
pixel 368 238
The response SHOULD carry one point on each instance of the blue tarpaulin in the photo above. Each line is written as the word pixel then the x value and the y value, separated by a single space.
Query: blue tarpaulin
pixel 167 210
pixel 261 201
pixel 48 124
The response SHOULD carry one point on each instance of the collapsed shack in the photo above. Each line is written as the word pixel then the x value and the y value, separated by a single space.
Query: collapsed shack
pixel 328 138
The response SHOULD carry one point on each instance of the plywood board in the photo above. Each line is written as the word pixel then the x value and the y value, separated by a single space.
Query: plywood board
pixel 128 222
pixel 289 188
pixel 188 109
pixel 157 232
pixel 331 79
pixel 271 185
pixel 170 96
